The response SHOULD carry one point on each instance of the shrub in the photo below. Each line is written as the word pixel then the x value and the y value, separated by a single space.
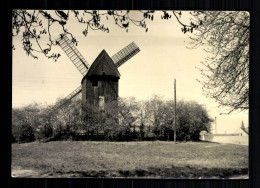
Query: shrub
pixel 62 132
pixel 25 133
pixel 44 132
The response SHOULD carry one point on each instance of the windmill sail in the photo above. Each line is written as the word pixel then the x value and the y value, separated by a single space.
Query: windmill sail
pixel 78 60
pixel 126 114
pixel 66 100
pixel 125 54
pixel 74 55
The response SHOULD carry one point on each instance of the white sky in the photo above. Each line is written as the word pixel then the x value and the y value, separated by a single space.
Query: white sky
pixel 162 58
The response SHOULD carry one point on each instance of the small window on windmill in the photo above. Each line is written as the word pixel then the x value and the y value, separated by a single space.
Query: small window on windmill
pixel 101 103
pixel 95 83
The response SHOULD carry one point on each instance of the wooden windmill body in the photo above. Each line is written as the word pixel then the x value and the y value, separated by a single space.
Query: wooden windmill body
pixel 99 85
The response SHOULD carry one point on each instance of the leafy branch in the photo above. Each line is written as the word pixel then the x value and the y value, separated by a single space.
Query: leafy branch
pixel 35 25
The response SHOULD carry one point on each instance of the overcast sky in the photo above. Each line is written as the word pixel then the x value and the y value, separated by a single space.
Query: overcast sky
pixel 163 57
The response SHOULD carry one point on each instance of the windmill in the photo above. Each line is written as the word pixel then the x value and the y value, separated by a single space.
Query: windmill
pixel 99 84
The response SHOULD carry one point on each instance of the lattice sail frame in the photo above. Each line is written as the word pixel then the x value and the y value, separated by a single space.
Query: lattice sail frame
pixel 66 100
pixel 74 55
pixel 125 54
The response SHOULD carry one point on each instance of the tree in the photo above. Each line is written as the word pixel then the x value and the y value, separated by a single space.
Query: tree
pixel 25 122
pixel 69 113
pixel 64 118
pixel 192 118
pixel 45 129
pixel 225 34
pixel 104 121
pixel 128 117
pixel 39 27
pixel 45 121
pixel 157 113
pixel 36 122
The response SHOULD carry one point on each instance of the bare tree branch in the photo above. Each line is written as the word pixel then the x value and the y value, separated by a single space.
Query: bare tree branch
pixel 226 77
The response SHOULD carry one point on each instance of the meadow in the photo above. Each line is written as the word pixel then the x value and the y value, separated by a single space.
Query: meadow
pixel 154 159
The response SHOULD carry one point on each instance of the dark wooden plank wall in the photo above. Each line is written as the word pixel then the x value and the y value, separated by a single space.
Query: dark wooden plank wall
pixel 90 94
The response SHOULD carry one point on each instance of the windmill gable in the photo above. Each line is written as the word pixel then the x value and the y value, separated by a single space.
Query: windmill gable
pixel 103 65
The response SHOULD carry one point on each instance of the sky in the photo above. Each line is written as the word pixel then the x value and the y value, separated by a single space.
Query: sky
pixel 163 57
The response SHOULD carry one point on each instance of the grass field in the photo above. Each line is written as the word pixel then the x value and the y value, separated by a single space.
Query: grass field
pixel 129 159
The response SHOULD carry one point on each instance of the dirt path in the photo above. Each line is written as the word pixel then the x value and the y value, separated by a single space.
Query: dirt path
pixel 240 177
pixel 23 173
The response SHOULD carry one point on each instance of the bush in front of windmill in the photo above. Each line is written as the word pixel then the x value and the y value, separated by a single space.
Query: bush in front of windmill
pixel 25 134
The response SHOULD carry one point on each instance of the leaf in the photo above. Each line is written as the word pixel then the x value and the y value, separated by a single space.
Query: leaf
pixel 62 23
pixel 125 25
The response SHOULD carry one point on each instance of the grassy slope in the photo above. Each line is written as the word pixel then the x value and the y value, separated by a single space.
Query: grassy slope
pixel 134 159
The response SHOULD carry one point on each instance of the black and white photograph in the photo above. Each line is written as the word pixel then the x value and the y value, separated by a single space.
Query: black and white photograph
pixel 130 94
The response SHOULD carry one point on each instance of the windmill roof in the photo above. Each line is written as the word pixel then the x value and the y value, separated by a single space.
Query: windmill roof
pixel 241 130
pixel 246 130
pixel 103 65
pixel 242 125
